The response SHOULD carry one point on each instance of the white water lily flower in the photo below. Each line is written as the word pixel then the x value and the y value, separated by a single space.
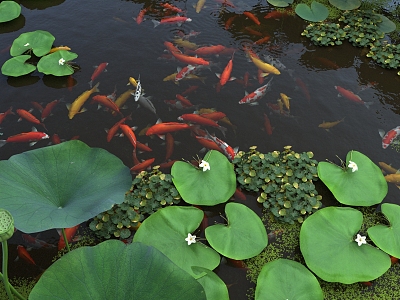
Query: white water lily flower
pixel 205 165
pixel 353 166
pixel 191 239
pixel 61 61
pixel 360 239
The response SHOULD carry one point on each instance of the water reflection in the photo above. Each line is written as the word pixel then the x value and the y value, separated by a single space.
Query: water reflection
pixel 40 4
pixel 22 80
pixel 13 25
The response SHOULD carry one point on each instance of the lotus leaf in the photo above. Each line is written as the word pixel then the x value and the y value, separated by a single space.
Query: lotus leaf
pixel 287 279
pixel 214 287
pixel 387 238
pixel 39 41
pixel 57 63
pixel 364 187
pixel 16 66
pixel 244 236
pixel 112 270
pixel 345 4
pixel 280 3
pixel 327 242
pixel 167 229
pixel 317 13
pixel 61 186
pixel 9 10
pixel 386 25
pixel 209 187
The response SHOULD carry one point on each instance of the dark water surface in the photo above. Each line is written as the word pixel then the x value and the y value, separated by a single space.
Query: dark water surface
pixel 105 31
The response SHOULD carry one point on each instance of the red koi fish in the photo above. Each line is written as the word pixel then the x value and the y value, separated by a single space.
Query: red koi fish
pixel 351 96
pixel 252 31
pixel 190 60
pixel 182 73
pixel 169 145
pixel 303 87
pixel 143 147
pixel 267 125
pixel 142 166
pixel 34 242
pixel 239 194
pixel 257 94
pixel 5 114
pixel 226 149
pixel 228 23
pixel 171 20
pixel 162 128
pixel 171 47
pixel 139 19
pixel 185 101
pixel 23 253
pixel 236 263
pixel 194 118
pixel 208 143
pixel 226 74
pixel 24 114
pixel 262 40
pixel 128 132
pixel 167 164
pixel 69 233
pixel 215 116
pixel 37 105
pixel 389 137
pixel 55 139
pixel 394 260
pixel 209 50
pixel 170 7
pixel 49 107
pixel 276 14
pixel 107 102
pixel 252 17
pixel 101 68
pixel 33 137
pixel 226 2
pixel 189 90
pixel 113 130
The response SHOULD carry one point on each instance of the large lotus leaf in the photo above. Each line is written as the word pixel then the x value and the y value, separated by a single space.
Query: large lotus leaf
pixel 287 279
pixel 9 10
pixel 113 270
pixel 210 187
pixel 167 230
pixel 244 236
pixel 327 242
pixel 280 3
pixel 345 4
pixel 214 287
pixel 317 13
pixel 386 25
pixel 388 237
pixel 39 41
pixel 364 187
pixel 61 186
pixel 56 63
pixel 16 66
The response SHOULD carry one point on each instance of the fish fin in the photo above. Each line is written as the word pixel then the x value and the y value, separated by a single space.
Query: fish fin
pixel 82 110
pixel 19 120
pixel 96 87
pixel 218 75
pixel 90 83
pixel 32 143
pixel 34 129
pixel 232 78
pixel 98 106
pixel 223 129
pixel 367 104
pixel 381 132
pixel 254 103
pixel 2 143
pixel 156 23
pixel 68 105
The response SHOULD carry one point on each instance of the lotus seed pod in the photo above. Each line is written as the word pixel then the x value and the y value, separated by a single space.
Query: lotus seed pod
pixel 6 225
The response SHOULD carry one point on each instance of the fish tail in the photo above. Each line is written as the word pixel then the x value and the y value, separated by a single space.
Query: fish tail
pixel 367 104
pixel 2 143
pixel 223 129
pixel 96 87
pixel 156 23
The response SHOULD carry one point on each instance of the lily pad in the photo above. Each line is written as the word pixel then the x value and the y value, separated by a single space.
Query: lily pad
pixel 39 41
pixel 280 3
pixel 9 10
pixel 244 236
pixel 16 66
pixel 214 287
pixel 167 230
pixel 327 242
pixel 317 13
pixel 287 279
pixel 113 270
pixel 345 4
pixel 61 186
pixel 364 187
pixel 208 187
pixel 386 25
pixel 387 238
pixel 57 63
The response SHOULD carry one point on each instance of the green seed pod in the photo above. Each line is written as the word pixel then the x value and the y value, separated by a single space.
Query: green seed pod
pixel 6 225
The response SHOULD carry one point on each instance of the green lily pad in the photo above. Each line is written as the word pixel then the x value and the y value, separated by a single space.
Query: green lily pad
pixel 386 25
pixel 387 238
pixel 364 187
pixel 16 66
pixel 317 13
pixel 57 63
pixel 244 236
pixel 345 4
pixel 327 242
pixel 39 41
pixel 214 287
pixel 210 187
pixel 167 230
pixel 9 10
pixel 280 3
pixel 61 186
pixel 113 270
pixel 287 279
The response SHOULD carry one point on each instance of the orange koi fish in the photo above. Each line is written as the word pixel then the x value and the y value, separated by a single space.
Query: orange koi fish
pixel 226 74
pixel 29 117
pixel 100 68
pixel 49 107
pixel 194 118
pixel 393 178
pixel 33 137
pixel 190 60
pixel 107 102
pixel 239 194
pixel 327 125
pixel 69 233
pixel 113 130
pixel 52 50
pixel 262 40
pixel 252 17
pixel 171 20
pixel 351 96
pixel 139 19
pixel 162 128
pixel 142 166
pixel 171 7
pixel 190 89
pixel 143 147
pixel 209 50
pixel 229 22
pixel 169 145
pixel 128 132
pixel 388 169
pixel 267 125
pixel 5 114
pixel 23 253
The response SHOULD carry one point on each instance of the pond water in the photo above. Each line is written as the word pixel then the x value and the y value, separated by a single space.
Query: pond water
pixel 105 31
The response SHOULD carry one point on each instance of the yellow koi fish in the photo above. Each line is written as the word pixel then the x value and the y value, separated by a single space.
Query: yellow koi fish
pixel 388 169
pixel 132 81
pixel 75 107
pixel 285 100
pixel 187 77
pixel 52 50
pixel 280 104
pixel 122 99
pixel 327 125
pixel 200 5
pixel 185 44
pixel 263 66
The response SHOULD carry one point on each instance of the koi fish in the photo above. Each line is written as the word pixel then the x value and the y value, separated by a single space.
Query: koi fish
pixel 209 50
pixel 275 62
pixel 184 72
pixel 142 166
pixel 199 5
pixel 252 17
pixel 327 62
pixel 252 31
pixel 128 132
pixel 100 68
pixel 351 96
pixel 55 139
pixel 185 44
pixel 69 233
pixel 121 100
pixel 75 107
pixel 140 17
pixel 23 253
pixel 33 137
pixel 262 40
pixel 190 60
pixel 189 90
pixel 34 242
pixel 226 74
pixel 393 178
pixel 172 20
pixel 49 107
pixel 167 164
pixel 185 101
pixel 107 102
pixel 389 137
pixel 165 127
pixel 215 115
pixel 138 90
pixel 300 83
pixel 29 117
pixel 229 22
pixel 227 150
pixel 208 143
pixel 388 169
pixel 267 125
pixel 194 118
pixel 171 7
pixel 55 49
pixel 146 103
pixel 5 114
pixel 275 14
pixel 278 110
pixel 327 125
pixel 191 33
pixel 264 66
pixel 132 81
pixel 239 194
pixel 113 130
pixel 37 105
pixel 143 147
pixel 256 95
pixel 285 99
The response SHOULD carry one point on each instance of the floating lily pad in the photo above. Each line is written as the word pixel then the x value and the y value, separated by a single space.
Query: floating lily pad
pixel 364 187
pixel 113 270
pixel 345 4
pixel 327 242
pixel 167 230
pixel 61 186
pixel 9 10
pixel 280 3
pixel 387 238
pixel 214 287
pixel 244 236
pixel 16 66
pixel 317 13
pixel 210 187
pixel 57 63
pixel 386 25
pixel 39 41
pixel 287 279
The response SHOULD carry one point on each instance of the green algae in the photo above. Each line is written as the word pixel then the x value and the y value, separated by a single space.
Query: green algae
pixel 23 285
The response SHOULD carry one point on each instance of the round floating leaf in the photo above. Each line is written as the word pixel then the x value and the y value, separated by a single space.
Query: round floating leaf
pixel 327 242
pixel 57 63
pixel 39 41
pixel 113 270
pixel 9 10
pixel 167 230
pixel 16 66
pixel 364 187
pixel 345 4
pixel 208 187
pixel 214 287
pixel 386 25
pixel 244 236
pixel 61 186
pixel 387 238
pixel 280 3
pixel 317 13
pixel 287 279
